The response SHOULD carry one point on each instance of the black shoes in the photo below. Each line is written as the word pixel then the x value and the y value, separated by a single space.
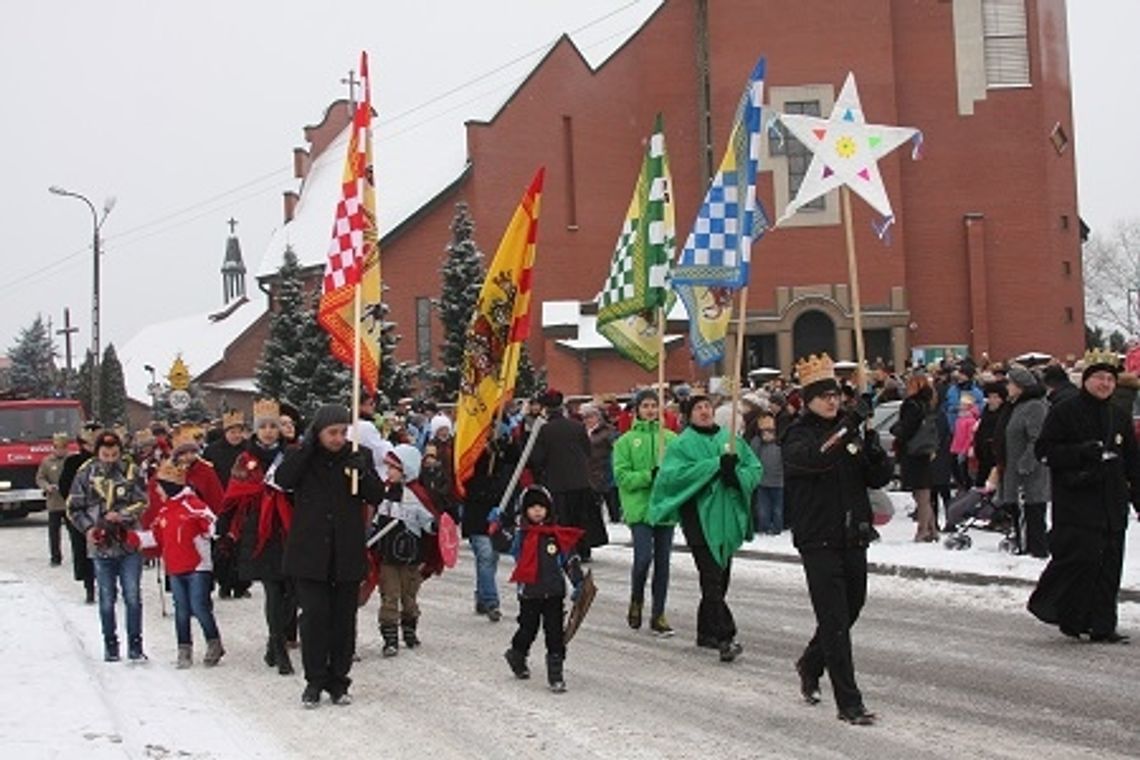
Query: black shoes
pixel 411 641
pixel 554 673
pixel 729 651
pixel 517 661
pixel 857 716
pixel 135 651
pixel 340 697
pixel 110 650
pixel 390 634
pixel 809 684
pixel 311 696
pixel 494 615
pixel 1112 637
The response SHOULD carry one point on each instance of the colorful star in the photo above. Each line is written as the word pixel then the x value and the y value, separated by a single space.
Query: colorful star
pixel 839 156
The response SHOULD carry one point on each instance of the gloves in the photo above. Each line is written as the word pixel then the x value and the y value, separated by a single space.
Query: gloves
pixel 728 470
pixel 1091 451
pixel 856 416
pixel 495 516
pixel 355 461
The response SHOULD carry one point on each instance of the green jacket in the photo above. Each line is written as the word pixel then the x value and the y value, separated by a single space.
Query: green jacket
pixel 691 471
pixel 635 457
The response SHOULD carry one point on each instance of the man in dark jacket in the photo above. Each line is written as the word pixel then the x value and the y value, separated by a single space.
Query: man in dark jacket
pixel 828 467
pixel 1091 452
pixel 561 461
pixel 485 491
pixel 1057 383
pixel 324 551
pixel 984 447
pixel 82 566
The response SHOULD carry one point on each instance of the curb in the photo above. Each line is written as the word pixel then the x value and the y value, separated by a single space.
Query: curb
pixel 911 572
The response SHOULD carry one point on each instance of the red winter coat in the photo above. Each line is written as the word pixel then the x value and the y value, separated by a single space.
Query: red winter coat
pixel 182 530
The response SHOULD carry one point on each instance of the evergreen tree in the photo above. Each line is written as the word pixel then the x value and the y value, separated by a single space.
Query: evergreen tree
pixel 286 330
pixel 33 361
pixel 112 389
pixel 395 377
pixel 314 376
pixel 462 279
pixel 81 388
pixel 1117 342
pixel 529 381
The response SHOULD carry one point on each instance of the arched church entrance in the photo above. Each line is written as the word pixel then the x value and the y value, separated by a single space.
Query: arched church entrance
pixel 813 333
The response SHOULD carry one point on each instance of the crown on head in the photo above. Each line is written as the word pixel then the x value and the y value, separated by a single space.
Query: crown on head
pixel 1101 356
pixel 185 438
pixel 233 418
pixel 815 368
pixel 265 408
pixel 170 472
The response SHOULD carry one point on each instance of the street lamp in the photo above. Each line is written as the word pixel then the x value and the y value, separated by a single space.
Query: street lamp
pixel 96 225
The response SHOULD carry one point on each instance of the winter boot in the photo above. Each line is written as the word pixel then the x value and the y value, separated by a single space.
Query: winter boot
pixel 554 673
pixel 809 684
pixel 214 652
pixel 857 716
pixel 185 656
pixel 135 650
pixel 281 658
pixel 111 649
pixel 660 626
pixel 634 616
pixel 311 696
pixel 391 636
pixel 517 661
pixel 411 641
pixel 270 653
pixel 729 651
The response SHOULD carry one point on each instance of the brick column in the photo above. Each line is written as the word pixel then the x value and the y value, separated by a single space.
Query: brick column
pixel 979 308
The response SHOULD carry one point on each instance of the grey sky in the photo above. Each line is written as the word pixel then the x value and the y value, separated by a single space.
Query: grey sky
pixel 187 113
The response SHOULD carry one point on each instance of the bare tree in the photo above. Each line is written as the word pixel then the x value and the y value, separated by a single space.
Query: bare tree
pixel 1111 272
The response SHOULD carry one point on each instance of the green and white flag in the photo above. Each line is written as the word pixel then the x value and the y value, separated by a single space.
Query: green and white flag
pixel 638 281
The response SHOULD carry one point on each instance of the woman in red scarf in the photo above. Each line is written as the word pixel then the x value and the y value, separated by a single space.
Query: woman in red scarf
pixel 257 515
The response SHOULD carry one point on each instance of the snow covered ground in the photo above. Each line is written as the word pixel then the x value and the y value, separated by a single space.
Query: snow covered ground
pixel 955 671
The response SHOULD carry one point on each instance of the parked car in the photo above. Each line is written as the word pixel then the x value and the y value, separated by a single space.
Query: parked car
pixel 883 418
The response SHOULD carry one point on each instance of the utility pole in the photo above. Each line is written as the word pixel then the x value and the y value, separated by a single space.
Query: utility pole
pixel 66 331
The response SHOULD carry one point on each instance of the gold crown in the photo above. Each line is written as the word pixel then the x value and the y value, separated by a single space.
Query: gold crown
pixel 232 418
pixel 1101 356
pixel 266 408
pixel 185 437
pixel 170 472
pixel 815 368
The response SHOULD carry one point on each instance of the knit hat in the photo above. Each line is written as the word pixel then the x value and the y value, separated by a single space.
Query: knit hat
pixel 536 494
pixel 691 401
pixel 996 389
pixel 439 422
pixel 1054 375
pixel 818 388
pixel 330 414
pixel 1022 377
pixel 108 440
pixel 407 459
pixel 643 394
pixel 551 399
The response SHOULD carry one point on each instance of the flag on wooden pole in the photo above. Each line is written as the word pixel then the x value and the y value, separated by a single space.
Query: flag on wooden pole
pixel 499 325
pixel 354 254
pixel 637 285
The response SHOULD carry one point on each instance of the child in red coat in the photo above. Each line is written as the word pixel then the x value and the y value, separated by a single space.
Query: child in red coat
pixel 182 528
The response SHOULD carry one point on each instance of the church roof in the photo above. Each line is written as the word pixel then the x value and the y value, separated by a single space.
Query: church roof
pixel 201 340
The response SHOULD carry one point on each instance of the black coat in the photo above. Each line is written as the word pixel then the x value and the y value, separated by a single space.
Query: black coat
pixel 915 469
pixel 1062 392
pixel 827 491
pixel 223 455
pixel 326 540
pixel 561 456
pixel 984 442
pixel 1089 491
pixel 485 488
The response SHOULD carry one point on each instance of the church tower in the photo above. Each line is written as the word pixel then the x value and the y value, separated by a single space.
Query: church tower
pixel 233 268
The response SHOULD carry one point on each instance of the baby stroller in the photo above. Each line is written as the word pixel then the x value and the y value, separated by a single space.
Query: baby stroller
pixel 975 508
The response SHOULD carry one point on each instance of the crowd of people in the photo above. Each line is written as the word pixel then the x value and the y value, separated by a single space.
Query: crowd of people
pixel 321 523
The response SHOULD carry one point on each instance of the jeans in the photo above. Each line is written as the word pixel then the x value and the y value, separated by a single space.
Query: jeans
pixel 651 544
pixel 486 564
pixel 192 599
pixel 127 572
pixel 769 505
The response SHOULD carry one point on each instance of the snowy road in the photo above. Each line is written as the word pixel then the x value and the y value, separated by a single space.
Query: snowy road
pixel 954 671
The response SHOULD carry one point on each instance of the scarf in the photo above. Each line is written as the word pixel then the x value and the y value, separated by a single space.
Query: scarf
pixel 526 567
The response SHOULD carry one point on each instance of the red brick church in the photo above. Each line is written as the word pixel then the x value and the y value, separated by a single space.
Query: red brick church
pixel 985 254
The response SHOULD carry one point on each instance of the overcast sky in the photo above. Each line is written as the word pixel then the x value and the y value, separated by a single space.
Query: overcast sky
pixel 187 113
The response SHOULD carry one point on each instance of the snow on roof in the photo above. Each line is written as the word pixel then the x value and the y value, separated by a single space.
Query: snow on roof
pixel 589 337
pixel 414 161
pixel 560 313
pixel 200 341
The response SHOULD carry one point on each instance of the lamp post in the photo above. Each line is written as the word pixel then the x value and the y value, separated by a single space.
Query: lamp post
pixel 96 225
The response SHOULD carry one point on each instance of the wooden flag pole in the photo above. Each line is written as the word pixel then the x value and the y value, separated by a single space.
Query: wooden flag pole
pixel 737 364
pixel 502 404
pixel 357 308
pixel 856 304
pixel 660 384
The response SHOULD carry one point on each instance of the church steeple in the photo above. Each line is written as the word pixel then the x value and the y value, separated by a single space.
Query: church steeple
pixel 233 268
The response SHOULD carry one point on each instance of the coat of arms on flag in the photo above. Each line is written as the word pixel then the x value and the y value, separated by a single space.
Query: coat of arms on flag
pixel 716 257
pixel 637 283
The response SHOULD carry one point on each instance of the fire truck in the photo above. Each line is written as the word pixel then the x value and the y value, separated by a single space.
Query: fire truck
pixel 26 429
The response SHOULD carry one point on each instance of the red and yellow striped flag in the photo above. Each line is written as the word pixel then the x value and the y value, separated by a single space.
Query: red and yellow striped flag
pixel 494 339
pixel 354 253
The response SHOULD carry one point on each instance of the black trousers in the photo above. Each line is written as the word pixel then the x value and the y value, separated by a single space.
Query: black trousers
pixel 83 568
pixel 837 584
pixel 55 526
pixel 1079 587
pixel 1029 526
pixel 328 631
pixel 548 611
pixel 280 608
pixel 714 618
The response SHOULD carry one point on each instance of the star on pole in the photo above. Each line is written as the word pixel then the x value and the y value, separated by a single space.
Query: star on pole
pixel 845 151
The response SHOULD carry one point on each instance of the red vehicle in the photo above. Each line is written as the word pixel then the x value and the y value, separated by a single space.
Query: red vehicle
pixel 26 428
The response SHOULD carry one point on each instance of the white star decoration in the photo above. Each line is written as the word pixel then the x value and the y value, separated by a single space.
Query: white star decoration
pixel 845 151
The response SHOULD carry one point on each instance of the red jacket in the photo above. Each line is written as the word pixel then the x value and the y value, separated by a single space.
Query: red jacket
pixel 182 530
